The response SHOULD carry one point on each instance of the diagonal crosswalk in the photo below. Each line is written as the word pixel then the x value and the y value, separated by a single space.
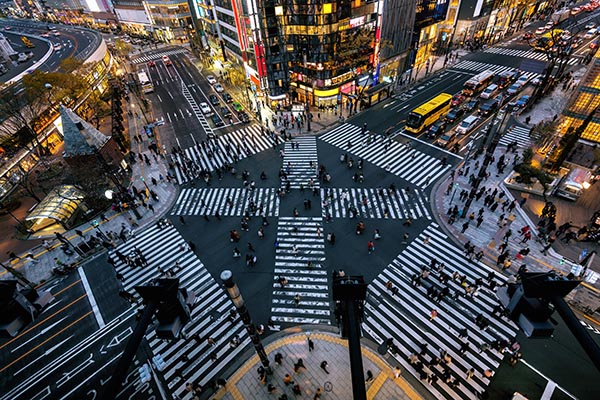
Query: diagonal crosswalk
pixel 520 134
pixel 497 69
pixel 189 359
pixel 156 56
pixel 219 151
pixel 530 53
pixel 403 314
pixel 228 202
pixel 300 163
pixel 375 203
pixel 299 244
pixel 416 167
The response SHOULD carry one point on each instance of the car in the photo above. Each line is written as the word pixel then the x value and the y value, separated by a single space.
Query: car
pixel 523 101
pixel 446 139
pixel 594 44
pixel 243 116
pixel 218 88
pixel 227 97
pixel 540 30
pixel 211 79
pixel 225 112
pixel 454 115
pixel 151 63
pixel 436 129
pixel 22 57
pixel 217 120
pixel 45 35
pixel 205 108
pixel 514 89
pixel 167 60
pixel 214 100
pixel 56 33
pixel 472 105
pixel 237 107
pixel 527 36
pixel 549 25
pixel 490 106
pixel 575 10
pixel 57 46
pixel 537 81
pixel 523 80
pixel 467 124
pixel 457 99
pixel 590 34
pixel 590 25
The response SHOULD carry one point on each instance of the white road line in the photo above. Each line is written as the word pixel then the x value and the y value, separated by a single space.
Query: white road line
pixel 92 300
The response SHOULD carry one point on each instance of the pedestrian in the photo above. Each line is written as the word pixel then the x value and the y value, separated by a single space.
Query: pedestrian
pixel 311 345
pixel 296 389
pixel 297 299
pixel 287 379
pixel 279 358
pixel 79 233
pixel 181 220
pixel 271 388
pixel 370 246
pixel 324 366
pixel 433 314
pixel 464 227
pixel 299 364
pixel 370 377
pixel 397 372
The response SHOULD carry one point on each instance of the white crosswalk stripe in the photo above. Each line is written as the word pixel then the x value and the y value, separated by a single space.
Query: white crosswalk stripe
pixel 301 163
pixel 299 258
pixel 403 314
pixel 410 164
pixel 228 202
pixel 520 134
pixel 219 151
pixel 375 203
pixel 498 69
pixel 156 56
pixel 530 53
pixel 189 359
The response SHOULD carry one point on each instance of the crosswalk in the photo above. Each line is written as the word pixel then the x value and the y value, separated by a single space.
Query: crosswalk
pixel 530 53
pixel 299 258
pixel 497 69
pixel 227 202
pixel 219 151
pixel 416 167
pixel 375 203
pixel 520 134
pixel 156 56
pixel 300 163
pixel 189 359
pixel 404 314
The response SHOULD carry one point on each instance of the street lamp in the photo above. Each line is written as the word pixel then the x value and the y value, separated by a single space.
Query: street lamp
pixel 237 299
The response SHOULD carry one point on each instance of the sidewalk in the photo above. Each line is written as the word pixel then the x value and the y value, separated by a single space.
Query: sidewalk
pixel 337 384
pixel 40 270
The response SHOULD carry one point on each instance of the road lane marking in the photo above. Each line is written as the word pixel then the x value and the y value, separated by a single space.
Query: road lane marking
pixel 42 321
pixel 44 342
pixel 43 331
pixel 91 298
pixel 50 350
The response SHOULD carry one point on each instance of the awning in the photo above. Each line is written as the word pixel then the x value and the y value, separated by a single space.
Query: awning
pixel 59 205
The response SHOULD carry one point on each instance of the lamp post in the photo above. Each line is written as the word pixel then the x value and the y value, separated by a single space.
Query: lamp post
pixel 234 292
pixel 66 241
pixel 18 276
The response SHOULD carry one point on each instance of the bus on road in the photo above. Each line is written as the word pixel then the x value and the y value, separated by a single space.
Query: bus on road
pixel 477 83
pixel 426 114
pixel 145 82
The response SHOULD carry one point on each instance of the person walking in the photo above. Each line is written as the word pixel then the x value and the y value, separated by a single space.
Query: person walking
pixel 181 220
pixel 465 226
pixel 397 372
pixel 433 314
pixel 297 299
pixel 324 366
pixel 370 246
pixel 311 345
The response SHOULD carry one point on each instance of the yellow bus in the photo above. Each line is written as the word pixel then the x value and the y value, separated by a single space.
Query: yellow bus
pixel 426 114
pixel 27 42
pixel 547 40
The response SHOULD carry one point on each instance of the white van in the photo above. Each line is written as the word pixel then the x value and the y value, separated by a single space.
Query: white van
pixel 489 91
pixel 467 124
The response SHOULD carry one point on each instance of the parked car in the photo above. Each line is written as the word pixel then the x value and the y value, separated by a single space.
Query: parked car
pixel 225 112
pixel 211 79
pixel 227 97
pixel 205 108
pixel 472 105
pixel 436 129
pixel 219 88
pixel 217 120
pixel 214 100
pixel 454 115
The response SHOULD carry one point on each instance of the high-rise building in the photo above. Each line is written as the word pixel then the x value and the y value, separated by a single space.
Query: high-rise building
pixel 133 16
pixel 396 37
pixel 585 101
pixel 171 19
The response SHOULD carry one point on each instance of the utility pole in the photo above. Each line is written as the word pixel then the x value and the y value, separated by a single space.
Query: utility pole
pixel 234 292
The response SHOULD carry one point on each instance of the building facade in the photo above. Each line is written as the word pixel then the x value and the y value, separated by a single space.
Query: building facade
pixel 585 101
